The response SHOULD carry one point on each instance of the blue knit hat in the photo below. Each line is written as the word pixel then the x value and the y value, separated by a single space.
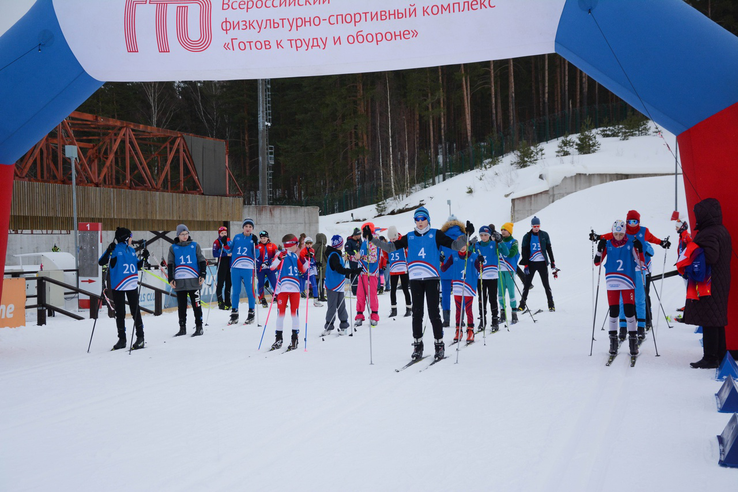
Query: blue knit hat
pixel 535 221
pixel 336 241
pixel 248 220
pixel 422 211
pixel 485 230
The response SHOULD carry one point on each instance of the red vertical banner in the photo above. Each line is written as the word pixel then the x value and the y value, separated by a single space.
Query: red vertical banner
pixel 709 152
pixel 6 198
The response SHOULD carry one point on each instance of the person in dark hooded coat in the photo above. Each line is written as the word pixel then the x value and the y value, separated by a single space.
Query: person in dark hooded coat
pixel 711 312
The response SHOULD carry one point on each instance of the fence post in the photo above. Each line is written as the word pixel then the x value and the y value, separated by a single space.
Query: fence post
pixel 41 304
pixel 158 303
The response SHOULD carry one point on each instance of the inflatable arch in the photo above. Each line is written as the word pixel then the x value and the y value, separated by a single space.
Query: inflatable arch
pixel 663 57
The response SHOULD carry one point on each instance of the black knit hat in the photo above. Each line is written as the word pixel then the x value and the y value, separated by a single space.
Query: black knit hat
pixel 122 234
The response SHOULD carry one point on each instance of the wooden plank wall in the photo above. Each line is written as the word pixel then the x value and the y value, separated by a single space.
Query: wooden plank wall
pixel 46 206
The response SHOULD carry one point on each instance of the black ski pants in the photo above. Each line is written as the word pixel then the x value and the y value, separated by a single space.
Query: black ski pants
pixel 224 278
pixel 182 305
pixel 428 289
pixel 542 268
pixel 487 292
pixel 403 279
pixel 649 315
pixel 713 342
pixel 119 301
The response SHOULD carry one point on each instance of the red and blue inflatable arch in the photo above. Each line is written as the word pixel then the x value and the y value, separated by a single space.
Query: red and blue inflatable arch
pixel 661 56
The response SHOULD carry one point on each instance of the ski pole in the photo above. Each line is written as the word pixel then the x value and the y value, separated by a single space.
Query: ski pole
pixel 666 318
pixel 217 273
pixel 138 305
pixel 653 332
pixel 371 356
pixel 661 287
pixel 307 304
pixel 521 297
pixel 256 299
pixel 463 291
pixel 592 284
pixel 99 305
pixel 274 296
pixel 594 317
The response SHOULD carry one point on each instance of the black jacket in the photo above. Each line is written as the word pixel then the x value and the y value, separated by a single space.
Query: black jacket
pixel 334 262
pixel 352 248
pixel 546 250
pixel 714 239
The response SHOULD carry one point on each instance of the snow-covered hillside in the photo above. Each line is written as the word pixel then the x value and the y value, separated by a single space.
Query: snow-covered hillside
pixel 525 409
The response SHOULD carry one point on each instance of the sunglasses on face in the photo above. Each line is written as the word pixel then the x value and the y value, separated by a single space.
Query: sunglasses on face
pixel 420 218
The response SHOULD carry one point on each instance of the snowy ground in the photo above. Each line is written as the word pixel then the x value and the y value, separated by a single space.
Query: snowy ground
pixel 523 410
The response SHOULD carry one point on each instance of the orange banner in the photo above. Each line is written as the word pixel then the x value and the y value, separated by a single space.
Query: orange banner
pixel 13 303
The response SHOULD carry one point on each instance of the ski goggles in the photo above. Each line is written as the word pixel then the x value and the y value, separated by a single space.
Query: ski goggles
pixel 633 222
pixel 419 218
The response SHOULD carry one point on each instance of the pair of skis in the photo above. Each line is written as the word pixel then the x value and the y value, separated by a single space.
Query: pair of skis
pixel 633 358
pixel 413 362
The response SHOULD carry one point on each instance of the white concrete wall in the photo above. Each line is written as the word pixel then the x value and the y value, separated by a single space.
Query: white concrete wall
pixel 525 206
pixel 277 220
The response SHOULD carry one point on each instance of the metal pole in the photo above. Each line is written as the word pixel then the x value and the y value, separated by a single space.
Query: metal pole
pixel 70 151
pixel 676 174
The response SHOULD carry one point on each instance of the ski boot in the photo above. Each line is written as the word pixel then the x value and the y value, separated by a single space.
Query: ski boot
pixel 521 306
pixel 458 334
pixel 317 303
pixel 358 322
pixel 408 311
pixel 327 331
pixel 441 349
pixel 303 295
pixel 198 329
pixel 633 342
pixel 482 324
pixel 470 335
pixel 182 329
pixel 417 349
pixel 495 324
pixel 373 322
pixel 446 318
pixel 121 343
pixel 551 308
pixel 221 305
pixel 277 341
pixel 250 317
pixel 139 343
pixel 503 316
pixel 514 317
pixel 614 343
pixel 380 290
pixel 293 341
pixel 641 333
pixel 623 334
pixel 263 302
pixel 234 317
pixel 393 312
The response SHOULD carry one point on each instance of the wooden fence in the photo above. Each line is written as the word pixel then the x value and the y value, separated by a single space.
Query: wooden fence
pixel 47 206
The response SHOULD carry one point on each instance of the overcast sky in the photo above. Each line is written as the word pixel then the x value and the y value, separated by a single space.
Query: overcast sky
pixel 11 11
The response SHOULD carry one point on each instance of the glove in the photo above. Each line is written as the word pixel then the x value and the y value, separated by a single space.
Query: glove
pixel 497 236
pixel 601 245
pixel 553 265
pixel 526 270
pixel 111 247
pixel 473 241
pixel 223 240
pixel 665 243
pixel 367 233
pixel 145 255
pixel 594 237
pixel 282 255
pixel 638 246
pixel 469 228
pixel 443 257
